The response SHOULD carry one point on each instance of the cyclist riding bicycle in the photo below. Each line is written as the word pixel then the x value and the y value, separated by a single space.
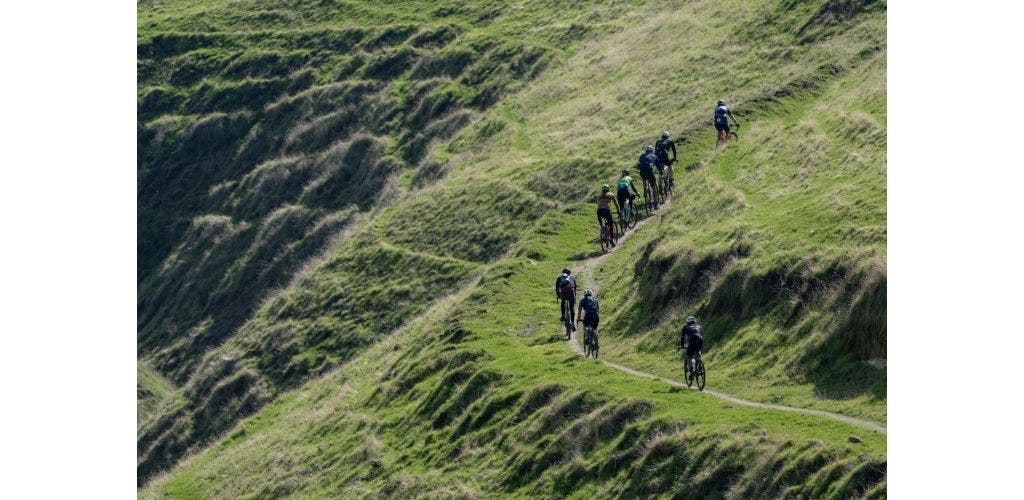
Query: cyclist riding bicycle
pixel 604 212
pixel 588 310
pixel 565 293
pixel 647 162
pixel 722 115
pixel 693 335
pixel 622 190
pixel 661 148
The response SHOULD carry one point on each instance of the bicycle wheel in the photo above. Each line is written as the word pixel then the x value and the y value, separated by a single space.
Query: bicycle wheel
pixel 701 374
pixel 633 216
pixel 687 376
pixel 594 347
pixel 568 329
pixel 605 239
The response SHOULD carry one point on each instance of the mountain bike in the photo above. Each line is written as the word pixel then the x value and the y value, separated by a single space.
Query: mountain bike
pixel 607 236
pixel 648 198
pixel 698 374
pixel 568 328
pixel 590 346
pixel 731 136
pixel 627 216
pixel 666 182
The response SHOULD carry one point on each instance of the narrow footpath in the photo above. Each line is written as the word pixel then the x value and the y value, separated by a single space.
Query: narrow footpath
pixel 574 344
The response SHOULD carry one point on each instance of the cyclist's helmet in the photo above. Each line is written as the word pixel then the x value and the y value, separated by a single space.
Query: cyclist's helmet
pixel 664 135
pixel 565 271
pixel 691 320
pixel 588 293
pixel 625 171
pixel 606 188
pixel 721 102
pixel 648 148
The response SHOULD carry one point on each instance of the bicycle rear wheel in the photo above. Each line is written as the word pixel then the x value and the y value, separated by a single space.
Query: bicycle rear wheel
pixel 701 375
pixel 687 375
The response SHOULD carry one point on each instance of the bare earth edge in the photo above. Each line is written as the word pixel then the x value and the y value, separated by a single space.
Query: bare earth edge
pixel 574 344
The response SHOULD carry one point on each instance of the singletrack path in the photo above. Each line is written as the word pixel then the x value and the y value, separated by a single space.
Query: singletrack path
pixel 574 344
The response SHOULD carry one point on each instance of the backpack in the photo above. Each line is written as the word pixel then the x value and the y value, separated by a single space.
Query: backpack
pixel 590 306
pixel 568 286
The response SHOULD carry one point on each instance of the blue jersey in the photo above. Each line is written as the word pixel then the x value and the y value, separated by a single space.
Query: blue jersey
pixel 720 115
pixel 647 163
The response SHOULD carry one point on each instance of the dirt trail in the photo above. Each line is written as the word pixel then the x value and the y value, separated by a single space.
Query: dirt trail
pixel 586 268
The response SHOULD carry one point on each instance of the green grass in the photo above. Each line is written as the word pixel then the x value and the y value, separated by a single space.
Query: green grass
pixel 777 242
pixel 153 393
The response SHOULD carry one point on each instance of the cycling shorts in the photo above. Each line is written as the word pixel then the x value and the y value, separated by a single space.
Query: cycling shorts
pixel 605 213
pixel 590 320
pixel 623 195
pixel 647 176
pixel 722 127
pixel 693 346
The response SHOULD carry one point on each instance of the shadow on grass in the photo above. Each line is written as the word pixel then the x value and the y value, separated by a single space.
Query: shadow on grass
pixel 586 255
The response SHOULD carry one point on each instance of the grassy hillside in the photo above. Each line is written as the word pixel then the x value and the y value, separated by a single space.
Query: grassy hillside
pixel 153 393
pixel 418 355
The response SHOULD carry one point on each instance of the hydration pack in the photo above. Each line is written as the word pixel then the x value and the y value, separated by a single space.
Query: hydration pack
pixel 589 305
pixel 568 287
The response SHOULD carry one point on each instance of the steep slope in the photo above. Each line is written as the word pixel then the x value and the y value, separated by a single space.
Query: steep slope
pixel 267 135
pixel 780 236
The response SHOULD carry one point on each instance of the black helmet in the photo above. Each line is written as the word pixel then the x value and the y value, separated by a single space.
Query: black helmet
pixel 566 271
pixel 588 293
pixel 606 188
pixel 664 135
pixel 625 171
pixel 691 320
pixel 721 102
pixel 648 148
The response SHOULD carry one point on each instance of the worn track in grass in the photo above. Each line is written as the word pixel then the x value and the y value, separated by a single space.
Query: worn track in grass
pixel 578 349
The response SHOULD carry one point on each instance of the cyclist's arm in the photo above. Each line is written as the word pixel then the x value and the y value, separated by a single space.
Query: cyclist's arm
pixel 734 122
pixel 616 202
pixel 673 153
pixel 633 186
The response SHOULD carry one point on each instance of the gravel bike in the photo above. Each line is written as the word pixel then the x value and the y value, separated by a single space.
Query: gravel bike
pixel 608 236
pixel 698 374
pixel 590 346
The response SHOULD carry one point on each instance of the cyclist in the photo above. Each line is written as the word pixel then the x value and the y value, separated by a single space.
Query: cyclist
pixel 589 306
pixel 604 212
pixel 565 293
pixel 622 191
pixel 661 148
pixel 646 164
pixel 722 114
pixel 695 334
